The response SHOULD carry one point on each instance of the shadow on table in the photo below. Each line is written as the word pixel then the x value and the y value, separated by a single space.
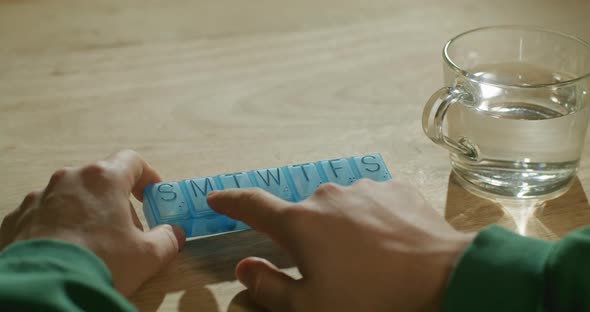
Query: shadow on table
pixel 549 219
pixel 563 214
pixel 203 263
pixel 467 212
pixel 242 303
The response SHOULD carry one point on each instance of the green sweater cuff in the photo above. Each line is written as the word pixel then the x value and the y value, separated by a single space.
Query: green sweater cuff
pixel 58 255
pixel 499 271
pixel 54 275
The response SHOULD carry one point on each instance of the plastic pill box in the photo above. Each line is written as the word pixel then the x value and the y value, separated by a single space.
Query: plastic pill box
pixel 184 202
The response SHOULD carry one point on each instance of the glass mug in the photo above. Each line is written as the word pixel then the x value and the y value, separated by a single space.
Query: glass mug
pixel 516 109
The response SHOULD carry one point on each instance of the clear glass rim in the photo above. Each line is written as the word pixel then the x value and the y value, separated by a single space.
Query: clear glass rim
pixel 468 75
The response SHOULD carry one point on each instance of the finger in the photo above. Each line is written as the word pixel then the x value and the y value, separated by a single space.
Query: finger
pixel 136 172
pixel 267 285
pixel 164 241
pixel 256 207
pixel 134 217
pixel 7 228
pixel 57 177
pixel 30 199
pixel 22 222
pixel 11 220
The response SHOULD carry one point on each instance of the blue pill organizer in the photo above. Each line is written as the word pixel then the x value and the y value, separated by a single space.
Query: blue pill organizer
pixel 184 202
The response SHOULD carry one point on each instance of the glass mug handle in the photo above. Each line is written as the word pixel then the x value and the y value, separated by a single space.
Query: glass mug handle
pixel 433 117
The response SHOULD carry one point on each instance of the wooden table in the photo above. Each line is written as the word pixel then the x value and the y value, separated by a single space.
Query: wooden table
pixel 207 87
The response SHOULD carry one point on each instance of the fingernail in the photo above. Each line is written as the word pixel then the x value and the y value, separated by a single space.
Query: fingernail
pixel 245 275
pixel 212 193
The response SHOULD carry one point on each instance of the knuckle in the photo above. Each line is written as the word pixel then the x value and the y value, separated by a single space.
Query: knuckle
pixel 29 199
pixel 57 176
pixel 328 189
pixel 96 177
pixel 59 173
pixel 31 196
pixel 94 170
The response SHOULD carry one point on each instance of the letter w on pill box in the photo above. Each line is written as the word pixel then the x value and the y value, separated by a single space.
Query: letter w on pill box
pixel 184 202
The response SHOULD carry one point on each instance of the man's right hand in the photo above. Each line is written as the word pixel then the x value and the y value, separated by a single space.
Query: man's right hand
pixel 372 246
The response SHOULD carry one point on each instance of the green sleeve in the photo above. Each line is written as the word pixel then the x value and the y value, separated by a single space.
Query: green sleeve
pixel 503 271
pixel 52 275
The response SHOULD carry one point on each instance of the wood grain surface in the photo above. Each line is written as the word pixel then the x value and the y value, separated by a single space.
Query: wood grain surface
pixel 208 87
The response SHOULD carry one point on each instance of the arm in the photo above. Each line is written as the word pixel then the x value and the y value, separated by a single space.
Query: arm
pixel 503 271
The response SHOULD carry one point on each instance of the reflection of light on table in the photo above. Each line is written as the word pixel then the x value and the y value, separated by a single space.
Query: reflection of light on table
pixel 520 211
pixel 172 299
pixel 546 219
pixel 221 290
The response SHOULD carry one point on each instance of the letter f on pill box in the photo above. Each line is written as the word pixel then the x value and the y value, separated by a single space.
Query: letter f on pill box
pixel 184 202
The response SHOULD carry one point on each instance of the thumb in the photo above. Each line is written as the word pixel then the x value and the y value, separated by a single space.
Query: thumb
pixel 267 285
pixel 164 241
pixel 155 249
